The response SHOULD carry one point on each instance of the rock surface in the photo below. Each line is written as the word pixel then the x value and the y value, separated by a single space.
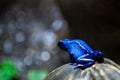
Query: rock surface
pixel 104 71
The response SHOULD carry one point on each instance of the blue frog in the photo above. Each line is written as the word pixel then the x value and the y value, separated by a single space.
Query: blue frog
pixel 81 54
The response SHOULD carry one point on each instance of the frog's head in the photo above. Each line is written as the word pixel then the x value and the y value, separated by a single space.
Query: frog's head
pixel 99 56
pixel 64 44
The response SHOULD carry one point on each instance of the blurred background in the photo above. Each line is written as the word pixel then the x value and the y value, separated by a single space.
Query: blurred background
pixel 30 30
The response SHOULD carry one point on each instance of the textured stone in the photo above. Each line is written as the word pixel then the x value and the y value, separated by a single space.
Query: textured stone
pixel 104 71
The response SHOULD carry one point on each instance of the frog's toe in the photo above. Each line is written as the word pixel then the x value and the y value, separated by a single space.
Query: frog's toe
pixel 74 64
pixel 80 66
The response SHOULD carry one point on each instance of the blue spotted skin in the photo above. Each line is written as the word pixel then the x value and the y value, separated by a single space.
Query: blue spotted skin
pixel 80 52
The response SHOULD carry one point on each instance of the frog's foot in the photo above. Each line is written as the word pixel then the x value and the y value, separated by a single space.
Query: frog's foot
pixel 80 66
pixel 84 63
pixel 77 66
pixel 84 66
pixel 74 64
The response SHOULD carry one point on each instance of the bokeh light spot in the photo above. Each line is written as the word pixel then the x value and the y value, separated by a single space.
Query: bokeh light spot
pixel 20 37
pixel 45 56
pixel 7 46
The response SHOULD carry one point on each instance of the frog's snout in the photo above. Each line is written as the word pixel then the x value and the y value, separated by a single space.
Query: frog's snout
pixel 63 44
pixel 60 42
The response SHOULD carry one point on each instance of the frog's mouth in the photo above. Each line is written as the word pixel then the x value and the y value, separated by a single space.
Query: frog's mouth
pixel 61 45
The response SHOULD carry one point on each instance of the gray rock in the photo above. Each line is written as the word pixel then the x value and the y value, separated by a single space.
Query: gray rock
pixel 107 70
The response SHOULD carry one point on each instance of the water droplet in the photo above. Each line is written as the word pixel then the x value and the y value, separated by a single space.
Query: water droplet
pixel 8 46
pixel 20 65
pixel 36 36
pixel 20 37
pixel 57 24
pixel 28 60
pixel 49 39
pixel 45 56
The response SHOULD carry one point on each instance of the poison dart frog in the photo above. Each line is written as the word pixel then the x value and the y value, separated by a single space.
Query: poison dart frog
pixel 81 54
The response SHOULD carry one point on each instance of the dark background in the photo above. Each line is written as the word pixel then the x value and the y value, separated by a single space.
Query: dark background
pixel 96 21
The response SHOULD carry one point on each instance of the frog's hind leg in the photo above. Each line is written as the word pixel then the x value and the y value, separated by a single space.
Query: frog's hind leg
pixel 84 63
pixel 84 66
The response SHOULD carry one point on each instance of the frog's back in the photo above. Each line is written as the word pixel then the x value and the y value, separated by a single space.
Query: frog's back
pixel 77 49
pixel 83 45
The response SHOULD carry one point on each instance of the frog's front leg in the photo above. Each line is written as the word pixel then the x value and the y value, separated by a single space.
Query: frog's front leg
pixel 84 62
